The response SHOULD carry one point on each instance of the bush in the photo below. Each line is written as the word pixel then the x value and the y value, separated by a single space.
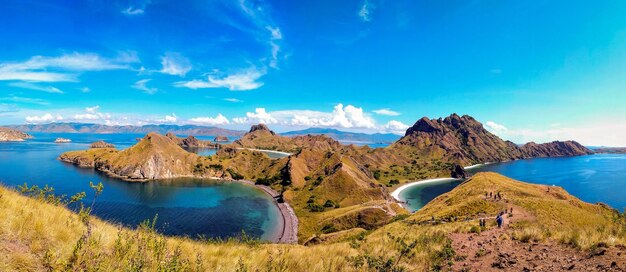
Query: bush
pixel 263 181
pixel 394 182
pixel 376 174
pixel 329 204
pixel 318 181
pixel 328 228
pixel 307 178
pixel 234 175
pixel 315 207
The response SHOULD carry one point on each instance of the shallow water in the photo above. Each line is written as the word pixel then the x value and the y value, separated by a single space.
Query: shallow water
pixel 190 207
pixel 592 178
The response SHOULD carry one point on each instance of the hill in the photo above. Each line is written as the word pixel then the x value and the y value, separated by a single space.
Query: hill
pixel 346 137
pixel 154 157
pixel 12 135
pixel 549 230
pixel 99 128
pixel 463 140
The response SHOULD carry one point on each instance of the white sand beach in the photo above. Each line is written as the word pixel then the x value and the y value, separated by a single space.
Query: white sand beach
pixel 396 193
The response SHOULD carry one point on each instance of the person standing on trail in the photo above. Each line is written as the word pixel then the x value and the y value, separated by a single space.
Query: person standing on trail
pixel 499 220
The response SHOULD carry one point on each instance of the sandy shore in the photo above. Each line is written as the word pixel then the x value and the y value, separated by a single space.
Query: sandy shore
pixel 267 151
pixel 396 193
pixel 289 232
pixel 476 165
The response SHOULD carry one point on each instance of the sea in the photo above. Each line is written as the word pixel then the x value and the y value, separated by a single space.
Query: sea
pixel 196 208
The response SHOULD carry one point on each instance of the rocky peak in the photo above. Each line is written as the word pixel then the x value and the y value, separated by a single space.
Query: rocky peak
pixel 261 127
pixel 425 125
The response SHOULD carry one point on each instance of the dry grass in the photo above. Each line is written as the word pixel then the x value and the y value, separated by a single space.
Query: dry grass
pixel 37 236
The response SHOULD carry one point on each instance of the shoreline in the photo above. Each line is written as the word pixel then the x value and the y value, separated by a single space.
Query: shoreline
pixel 396 193
pixel 267 150
pixel 289 232
pixel 476 165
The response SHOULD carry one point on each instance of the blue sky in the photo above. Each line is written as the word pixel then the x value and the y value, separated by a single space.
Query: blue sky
pixel 529 70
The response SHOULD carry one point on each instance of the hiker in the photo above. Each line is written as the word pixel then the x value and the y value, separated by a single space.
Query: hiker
pixel 511 210
pixel 486 195
pixel 500 219
pixel 490 194
pixel 498 196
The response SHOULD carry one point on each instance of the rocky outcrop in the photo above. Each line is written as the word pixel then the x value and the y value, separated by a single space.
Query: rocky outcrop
pixel 261 127
pixel 463 140
pixel 221 139
pixel 190 141
pixel 458 172
pixel 554 149
pixel 101 144
pixel 12 135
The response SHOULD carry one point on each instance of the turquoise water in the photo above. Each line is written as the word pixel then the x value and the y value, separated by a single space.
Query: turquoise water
pixel 415 197
pixel 188 207
pixel 592 178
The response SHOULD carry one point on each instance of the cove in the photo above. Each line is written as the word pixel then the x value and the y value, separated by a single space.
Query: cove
pixel 185 207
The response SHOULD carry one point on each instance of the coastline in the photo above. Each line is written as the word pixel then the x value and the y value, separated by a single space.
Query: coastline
pixel 476 165
pixel 396 193
pixel 289 231
pixel 267 150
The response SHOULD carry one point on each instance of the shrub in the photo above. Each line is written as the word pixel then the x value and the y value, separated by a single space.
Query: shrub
pixel 234 175
pixel 315 207
pixel 318 181
pixel 329 204
pixel 394 182
pixel 307 178
pixel 328 228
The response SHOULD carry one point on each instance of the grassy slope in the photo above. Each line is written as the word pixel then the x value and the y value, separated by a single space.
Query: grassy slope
pixel 31 230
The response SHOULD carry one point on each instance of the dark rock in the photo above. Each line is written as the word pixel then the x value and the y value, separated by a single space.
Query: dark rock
pixel 260 127
pixel 458 172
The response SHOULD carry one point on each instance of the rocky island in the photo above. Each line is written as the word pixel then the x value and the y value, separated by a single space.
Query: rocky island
pixel 62 140
pixel 12 135
pixel 101 144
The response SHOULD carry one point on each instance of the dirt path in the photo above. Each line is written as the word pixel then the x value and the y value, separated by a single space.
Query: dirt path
pixel 493 250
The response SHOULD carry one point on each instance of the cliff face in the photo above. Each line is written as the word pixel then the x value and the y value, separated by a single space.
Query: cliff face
pixel 463 140
pixel 12 135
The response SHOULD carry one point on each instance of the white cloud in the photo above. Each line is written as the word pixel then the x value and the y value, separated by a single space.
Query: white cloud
pixel 91 114
pixel 46 118
pixel 26 100
pixel 218 120
pixel 85 89
pixel 495 127
pixel 170 118
pixel 93 109
pixel 138 8
pixel 234 100
pixel 175 64
pixel 141 85
pixel 133 11
pixel 365 12
pixel 258 116
pixel 62 68
pixel 386 111
pixel 342 117
pixel 395 127
pixel 600 132
pixel 32 86
pixel 240 81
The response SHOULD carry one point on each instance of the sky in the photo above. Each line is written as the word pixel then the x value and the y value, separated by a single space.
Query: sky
pixel 528 70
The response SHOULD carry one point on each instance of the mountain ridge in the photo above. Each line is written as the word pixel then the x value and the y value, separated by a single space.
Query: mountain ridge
pixel 105 129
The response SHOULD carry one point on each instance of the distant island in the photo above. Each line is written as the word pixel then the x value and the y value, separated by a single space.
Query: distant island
pixel 106 129
pixel 346 137
pixel 610 150
pixel 12 135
